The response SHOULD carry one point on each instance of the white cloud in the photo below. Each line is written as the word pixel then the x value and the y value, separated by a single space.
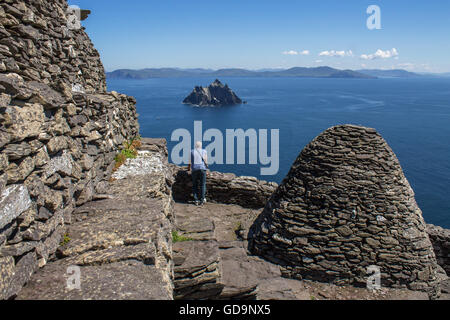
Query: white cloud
pixel 290 52
pixel 334 53
pixel 380 54
pixel 294 53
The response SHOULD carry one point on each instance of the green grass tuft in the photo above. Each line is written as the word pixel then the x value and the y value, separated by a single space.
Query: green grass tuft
pixel 178 238
pixel 65 240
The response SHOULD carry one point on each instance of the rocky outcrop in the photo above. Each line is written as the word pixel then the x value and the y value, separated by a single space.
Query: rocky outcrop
pixel 59 132
pixel 121 242
pixel 216 94
pixel 344 206
pixel 440 238
pixel 247 192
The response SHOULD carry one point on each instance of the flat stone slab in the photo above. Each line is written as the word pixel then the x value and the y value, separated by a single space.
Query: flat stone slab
pixel 282 289
pixel 14 200
pixel 195 228
pixel 125 280
pixel 326 291
pixel 146 163
pixel 241 274
pixel 196 270
pixel 222 222
pixel 113 223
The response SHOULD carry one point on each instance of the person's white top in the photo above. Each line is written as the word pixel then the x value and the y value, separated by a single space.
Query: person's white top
pixel 196 159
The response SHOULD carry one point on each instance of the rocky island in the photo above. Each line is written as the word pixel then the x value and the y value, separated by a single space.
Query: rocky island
pixel 216 94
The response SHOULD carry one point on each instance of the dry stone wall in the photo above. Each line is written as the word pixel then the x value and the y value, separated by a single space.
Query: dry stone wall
pixel 59 132
pixel 226 188
pixel 38 44
pixel 344 206
pixel 440 238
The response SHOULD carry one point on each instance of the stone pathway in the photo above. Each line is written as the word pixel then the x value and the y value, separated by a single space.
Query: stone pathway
pixel 218 266
pixel 121 243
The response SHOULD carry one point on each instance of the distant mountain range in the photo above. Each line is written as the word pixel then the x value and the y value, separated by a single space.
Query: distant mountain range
pixel 440 75
pixel 318 72
pixel 394 73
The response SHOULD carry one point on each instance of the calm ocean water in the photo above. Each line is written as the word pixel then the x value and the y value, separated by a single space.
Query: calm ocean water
pixel 413 115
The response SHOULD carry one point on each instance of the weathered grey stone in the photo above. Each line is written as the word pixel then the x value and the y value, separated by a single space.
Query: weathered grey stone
pixel 23 270
pixel 6 275
pixel 3 161
pixel 87 162
pixel 47 247
pixel 196 270
pixel 125 280
pixel 3 181
pixel 17 151
pixel 41 158
pixel 440 238
pixel 41 230
pixel 56 144
pixel 45 95
pixel 62 164
pixel 242 274
pixel 4 138
pixel 24 122
pixel 17 250
pixel 5 99
pixel 59 125
pixel 17 173
pixel 13 83
pixel 13 201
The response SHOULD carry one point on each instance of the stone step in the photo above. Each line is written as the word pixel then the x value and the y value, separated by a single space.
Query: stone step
pixel 197 270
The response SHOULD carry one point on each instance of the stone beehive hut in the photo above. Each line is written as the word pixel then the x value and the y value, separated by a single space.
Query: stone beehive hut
pixel 344 206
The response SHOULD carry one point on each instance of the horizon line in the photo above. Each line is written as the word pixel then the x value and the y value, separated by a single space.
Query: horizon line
pixel 275 68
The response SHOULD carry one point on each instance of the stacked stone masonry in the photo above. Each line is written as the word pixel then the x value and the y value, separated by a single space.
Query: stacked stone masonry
pixel 344 206
pixel 59 132
pixel 247 192
pixel 440 238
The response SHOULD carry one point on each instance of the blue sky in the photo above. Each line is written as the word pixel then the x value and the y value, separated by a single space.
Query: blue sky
pixel 136 34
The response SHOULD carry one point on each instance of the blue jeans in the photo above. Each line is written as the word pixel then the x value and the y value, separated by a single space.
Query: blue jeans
pixel 199 184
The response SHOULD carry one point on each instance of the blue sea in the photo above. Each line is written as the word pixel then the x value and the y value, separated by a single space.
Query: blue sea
pixel 413 115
